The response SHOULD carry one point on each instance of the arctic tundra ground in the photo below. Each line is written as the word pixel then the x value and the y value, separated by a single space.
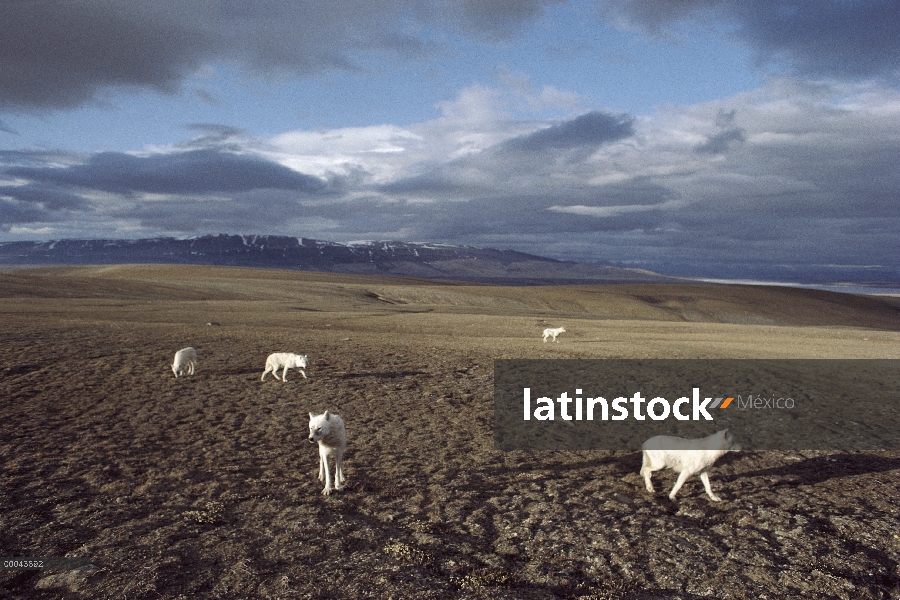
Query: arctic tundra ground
pixel 206 486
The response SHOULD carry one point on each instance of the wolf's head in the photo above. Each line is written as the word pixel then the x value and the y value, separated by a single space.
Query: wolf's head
pixel 726 440
pixel 319 426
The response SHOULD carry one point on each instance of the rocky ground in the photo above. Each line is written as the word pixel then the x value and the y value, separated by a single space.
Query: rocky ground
pixel 205 486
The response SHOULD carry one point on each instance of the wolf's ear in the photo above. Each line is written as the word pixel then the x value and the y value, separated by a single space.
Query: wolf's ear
pixel 327 415
pixel 312 416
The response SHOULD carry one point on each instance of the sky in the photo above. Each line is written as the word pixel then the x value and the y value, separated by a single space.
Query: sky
pixel 702 137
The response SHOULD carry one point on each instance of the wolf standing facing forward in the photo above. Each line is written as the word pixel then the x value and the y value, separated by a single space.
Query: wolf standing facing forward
pixel 688 457
pixel 328 429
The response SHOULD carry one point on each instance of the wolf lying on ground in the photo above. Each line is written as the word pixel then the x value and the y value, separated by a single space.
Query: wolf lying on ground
pixel 554 333
pixel 688 457
pixel 328 430
pixel 185 360
pixel 286 360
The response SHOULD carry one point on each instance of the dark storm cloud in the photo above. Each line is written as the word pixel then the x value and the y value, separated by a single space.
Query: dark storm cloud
pixel 35 202
pixel 47 196
pixel 58 54
pixel 193 172
pixel 15 213
pixel 843 39
pixel 586 131
pixel 850 39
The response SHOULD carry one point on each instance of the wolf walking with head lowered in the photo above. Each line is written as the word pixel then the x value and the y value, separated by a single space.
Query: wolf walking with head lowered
pixel 688 457
pixel 185 361
pixel 328 430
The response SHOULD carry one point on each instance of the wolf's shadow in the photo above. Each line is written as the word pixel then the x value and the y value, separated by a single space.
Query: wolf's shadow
pixel 822 468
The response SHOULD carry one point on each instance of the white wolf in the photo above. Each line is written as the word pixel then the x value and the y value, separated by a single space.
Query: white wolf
pixel 328 429
pixel 185 359
pixel 688 457
pixel 286 360
pixel 554 333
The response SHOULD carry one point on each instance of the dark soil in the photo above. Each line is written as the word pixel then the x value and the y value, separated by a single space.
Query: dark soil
pixel 205 486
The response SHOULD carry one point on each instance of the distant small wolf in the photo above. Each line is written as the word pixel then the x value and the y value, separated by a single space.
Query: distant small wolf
pixel 688 457
pixel 553 333
pixel 286 360
pixel 328 430
pixel 185 360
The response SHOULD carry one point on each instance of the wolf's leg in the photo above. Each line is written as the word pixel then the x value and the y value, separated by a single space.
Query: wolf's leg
pixel 329 485
pixel 647 472
pixel 338 470
pixel 682 477
pixel 704 477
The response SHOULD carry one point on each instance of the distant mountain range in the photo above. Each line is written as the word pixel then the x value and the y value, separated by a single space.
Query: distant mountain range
pixel 404 259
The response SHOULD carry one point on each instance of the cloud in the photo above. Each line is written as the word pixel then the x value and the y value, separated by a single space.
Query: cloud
pixel 589 130
pixel 838 39
pixel 375 153
pixel 500 18
pixel 515 164
pixel 846 40
pixel 7 129
pixel 47 197
pixel 798 171
pixel 270 211
pixel 728 135
pixel 212 135
pixel 191 172
pixel 38 203
pixel 12 212
pixel 58 54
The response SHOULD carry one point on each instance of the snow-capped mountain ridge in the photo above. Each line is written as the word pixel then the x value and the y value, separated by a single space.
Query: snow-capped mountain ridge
pixel 411 259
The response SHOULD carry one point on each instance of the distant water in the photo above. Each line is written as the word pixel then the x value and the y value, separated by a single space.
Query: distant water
pixel 845 288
